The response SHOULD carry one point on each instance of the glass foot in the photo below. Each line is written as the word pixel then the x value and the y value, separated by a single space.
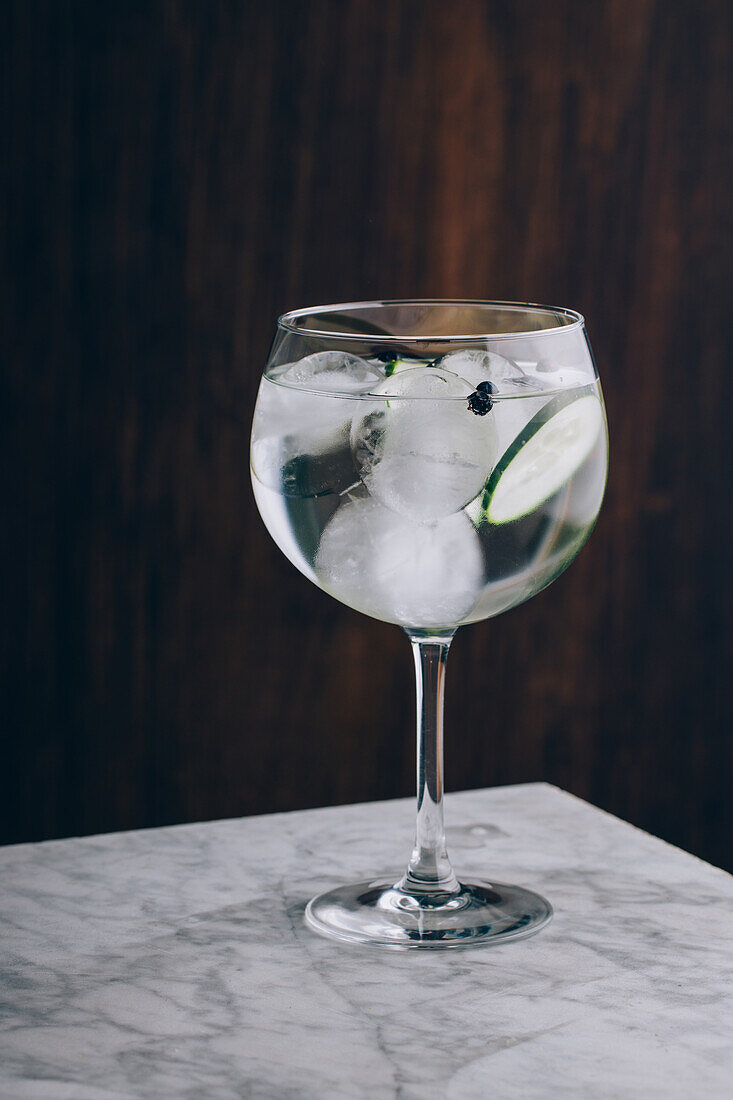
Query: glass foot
pixel 385 915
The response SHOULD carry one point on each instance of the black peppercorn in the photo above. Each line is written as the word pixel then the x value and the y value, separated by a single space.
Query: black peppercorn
pixel 481 401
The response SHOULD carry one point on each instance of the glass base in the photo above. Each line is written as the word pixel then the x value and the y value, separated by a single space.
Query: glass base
pixel 384 914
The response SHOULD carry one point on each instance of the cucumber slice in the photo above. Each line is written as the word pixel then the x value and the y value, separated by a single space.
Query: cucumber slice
pixel 544 456
pixel 395 366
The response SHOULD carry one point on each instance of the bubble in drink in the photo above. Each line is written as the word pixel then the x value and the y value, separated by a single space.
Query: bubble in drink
pixel 421 452
pixel 384 565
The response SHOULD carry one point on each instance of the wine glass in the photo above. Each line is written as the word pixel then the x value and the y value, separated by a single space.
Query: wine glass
pixel 430 464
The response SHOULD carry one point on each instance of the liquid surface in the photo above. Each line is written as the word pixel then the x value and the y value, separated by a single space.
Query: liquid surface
pixel 384 489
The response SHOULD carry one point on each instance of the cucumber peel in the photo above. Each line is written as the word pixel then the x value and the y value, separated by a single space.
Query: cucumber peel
pixel 548 451
pixel 394 366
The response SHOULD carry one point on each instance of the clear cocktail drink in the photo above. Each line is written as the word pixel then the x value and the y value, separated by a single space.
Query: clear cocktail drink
pixel 430 464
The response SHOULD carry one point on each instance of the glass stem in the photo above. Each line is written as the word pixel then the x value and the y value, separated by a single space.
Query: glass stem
pixel 429 870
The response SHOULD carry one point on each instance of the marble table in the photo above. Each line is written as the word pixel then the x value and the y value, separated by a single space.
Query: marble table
pixel 174 963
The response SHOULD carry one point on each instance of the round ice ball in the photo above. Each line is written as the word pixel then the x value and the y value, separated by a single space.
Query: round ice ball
pixel 419 449
pixel 393 569
pixel 332 371
pixel 476 365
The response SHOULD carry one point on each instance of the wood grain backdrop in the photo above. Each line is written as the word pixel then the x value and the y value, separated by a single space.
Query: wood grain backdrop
pixel 175 175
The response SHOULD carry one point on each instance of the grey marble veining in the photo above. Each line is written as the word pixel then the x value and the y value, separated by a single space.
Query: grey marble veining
pixel 174 962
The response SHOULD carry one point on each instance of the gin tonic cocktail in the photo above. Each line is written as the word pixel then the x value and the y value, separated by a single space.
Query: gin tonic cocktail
pixel 430 464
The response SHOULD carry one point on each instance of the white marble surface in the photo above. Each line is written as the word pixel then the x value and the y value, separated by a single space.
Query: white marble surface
pixel 174 963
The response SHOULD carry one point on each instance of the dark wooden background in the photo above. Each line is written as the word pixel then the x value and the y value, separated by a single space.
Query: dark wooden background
pixel 175 175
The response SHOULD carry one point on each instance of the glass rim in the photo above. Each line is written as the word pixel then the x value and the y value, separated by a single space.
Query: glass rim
pixel 288 321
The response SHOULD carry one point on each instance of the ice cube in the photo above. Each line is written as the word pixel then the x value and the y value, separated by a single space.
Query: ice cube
pixel 476 365
pixel 332 372
pixel 305 466
pixel 517 385
pixel 300 437
pixel 380 563
pixel 556 376
pixel 419 449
